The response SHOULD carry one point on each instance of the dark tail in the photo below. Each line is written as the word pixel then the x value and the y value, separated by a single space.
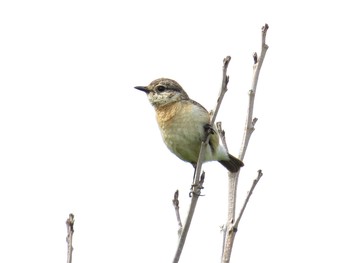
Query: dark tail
pixel 233 165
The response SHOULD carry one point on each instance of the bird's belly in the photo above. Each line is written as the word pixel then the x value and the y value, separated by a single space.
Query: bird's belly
pixel 182 128
pixel 184 139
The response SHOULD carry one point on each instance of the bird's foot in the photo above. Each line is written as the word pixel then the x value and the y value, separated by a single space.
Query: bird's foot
pixel 195 190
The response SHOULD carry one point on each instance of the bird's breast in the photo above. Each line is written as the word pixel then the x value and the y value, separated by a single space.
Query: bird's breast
pixel 181 124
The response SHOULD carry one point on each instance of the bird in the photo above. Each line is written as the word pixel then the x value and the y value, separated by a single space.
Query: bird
pixel 184 123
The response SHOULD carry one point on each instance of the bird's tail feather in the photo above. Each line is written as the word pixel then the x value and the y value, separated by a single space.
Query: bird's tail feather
pixel 233 165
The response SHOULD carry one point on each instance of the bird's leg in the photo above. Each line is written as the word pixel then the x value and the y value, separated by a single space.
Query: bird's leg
pixel 196 187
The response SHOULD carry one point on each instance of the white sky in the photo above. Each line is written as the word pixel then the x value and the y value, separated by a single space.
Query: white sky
pixel 75 137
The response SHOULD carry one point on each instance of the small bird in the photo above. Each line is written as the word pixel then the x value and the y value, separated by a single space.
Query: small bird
pixel 184 124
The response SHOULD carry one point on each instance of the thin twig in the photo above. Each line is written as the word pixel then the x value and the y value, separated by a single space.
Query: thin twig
pixel 250 122
pixel 224 143
pixel 188 221
pixel 69 239
pixel 255 182
pixel 225 80
pixel 248 130
pixel 233 228
pixel 177 211
pixel 222 135
pixel 199 178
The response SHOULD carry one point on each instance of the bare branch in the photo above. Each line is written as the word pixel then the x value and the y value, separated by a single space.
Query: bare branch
pixel 177 211
pixel 225 80
pixel 199 178
pixel 250 122
pixel 229 235
pixel 232 227
pixel 222 135
pixel 186 227
pixel 255 182
pixel 69 239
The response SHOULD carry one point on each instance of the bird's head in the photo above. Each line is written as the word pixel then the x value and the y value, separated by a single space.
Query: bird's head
pixel 163 91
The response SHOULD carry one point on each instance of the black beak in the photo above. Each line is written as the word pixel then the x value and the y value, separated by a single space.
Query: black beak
pixel 143 88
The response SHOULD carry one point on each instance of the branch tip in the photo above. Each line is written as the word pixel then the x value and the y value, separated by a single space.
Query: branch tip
pixel 254 121
pixel 70 221
pixel 226 61
pixel 265 28
pixel 176 199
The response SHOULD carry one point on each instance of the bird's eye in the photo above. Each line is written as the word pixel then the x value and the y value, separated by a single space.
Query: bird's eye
pixel 160 88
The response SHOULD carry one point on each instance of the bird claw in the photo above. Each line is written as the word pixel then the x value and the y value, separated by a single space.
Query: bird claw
pixel 195 190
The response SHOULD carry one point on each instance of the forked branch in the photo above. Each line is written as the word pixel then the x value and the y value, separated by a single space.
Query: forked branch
pixel 255 182
pixel 199 177
pixel 232 223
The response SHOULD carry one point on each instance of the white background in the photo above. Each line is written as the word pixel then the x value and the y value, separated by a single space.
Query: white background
pixel 75 137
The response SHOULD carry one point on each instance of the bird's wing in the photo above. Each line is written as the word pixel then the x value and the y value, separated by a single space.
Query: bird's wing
pixel 195 102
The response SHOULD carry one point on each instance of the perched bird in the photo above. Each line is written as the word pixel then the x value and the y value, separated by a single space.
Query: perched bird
pixel 183 124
